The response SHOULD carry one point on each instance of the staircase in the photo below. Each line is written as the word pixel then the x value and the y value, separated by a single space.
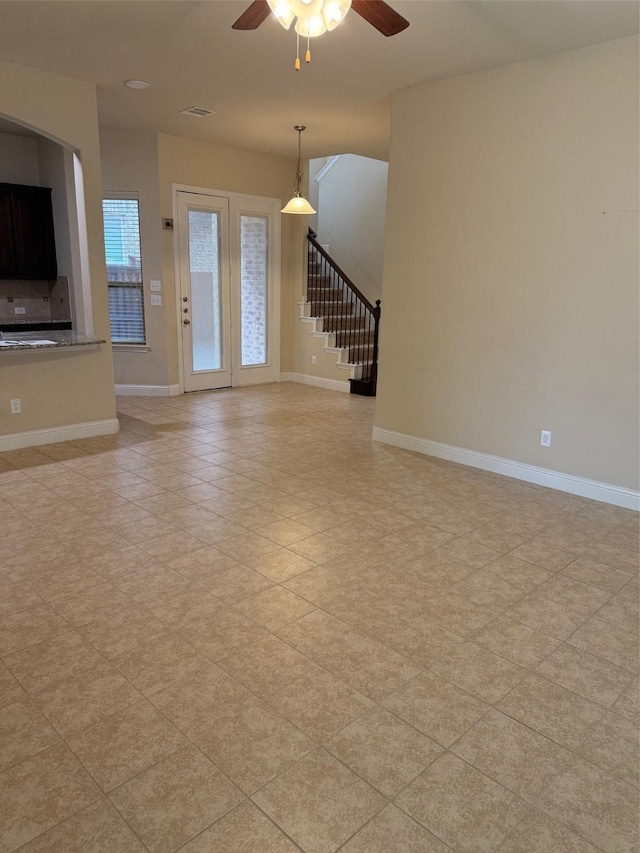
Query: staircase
pixel 343 316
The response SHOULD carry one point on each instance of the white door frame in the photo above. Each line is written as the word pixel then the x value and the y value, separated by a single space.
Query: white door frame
pixel 273 262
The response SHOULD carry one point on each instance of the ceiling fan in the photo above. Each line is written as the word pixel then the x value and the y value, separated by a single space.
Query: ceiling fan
pixel 327 14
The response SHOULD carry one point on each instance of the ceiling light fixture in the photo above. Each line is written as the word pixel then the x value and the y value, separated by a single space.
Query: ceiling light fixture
pixel 298 204
pixel 312 18
pixel 137 84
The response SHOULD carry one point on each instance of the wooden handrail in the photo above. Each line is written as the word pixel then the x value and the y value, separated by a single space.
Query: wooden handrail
pixel 312 239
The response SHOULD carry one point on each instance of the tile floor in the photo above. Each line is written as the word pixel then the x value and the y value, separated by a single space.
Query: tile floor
pixel 241 627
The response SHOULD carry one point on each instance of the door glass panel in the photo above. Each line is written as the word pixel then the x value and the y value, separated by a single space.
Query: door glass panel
pixel 253 285
pixel 204 272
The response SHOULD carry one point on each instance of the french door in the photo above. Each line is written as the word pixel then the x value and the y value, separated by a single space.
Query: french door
pixel 228 289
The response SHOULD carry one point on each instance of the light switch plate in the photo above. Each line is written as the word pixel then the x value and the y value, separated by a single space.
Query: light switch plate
pixel 155 299
pixel 155 285
pixel 17 310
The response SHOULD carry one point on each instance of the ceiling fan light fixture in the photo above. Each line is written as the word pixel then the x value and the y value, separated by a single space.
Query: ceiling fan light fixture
pixel 305 9
pixel 282 11
pixel 334 11
pixel 311 27
pixel 298 203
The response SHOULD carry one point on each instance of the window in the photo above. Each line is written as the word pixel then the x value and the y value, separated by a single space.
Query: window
pixel 124 269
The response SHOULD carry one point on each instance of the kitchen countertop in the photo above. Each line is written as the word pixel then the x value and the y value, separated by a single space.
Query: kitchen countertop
pixel 27 321
pixel 36 341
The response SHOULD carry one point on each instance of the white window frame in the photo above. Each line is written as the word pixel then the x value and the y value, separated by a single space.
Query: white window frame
pixel 120 195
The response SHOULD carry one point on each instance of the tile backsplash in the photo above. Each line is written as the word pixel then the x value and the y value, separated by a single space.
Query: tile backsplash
pixel 41 301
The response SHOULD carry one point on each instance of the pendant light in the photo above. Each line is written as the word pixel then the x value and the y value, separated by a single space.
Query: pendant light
pixel 298 203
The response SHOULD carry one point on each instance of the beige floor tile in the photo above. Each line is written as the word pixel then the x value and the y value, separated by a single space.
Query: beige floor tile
pixel 595 805
pixel 274 608
pixel 516 642
pixel 245 829
pixel 384 750
pixel 228 466
pixel 553 711
pixel 266 666
pixel 250 742
pixel 463 807
pixel 628 704
pixel 23 732
pixel 393 831
pixel 434 706
pixel 285 531
pixel 320 704
pixel 79 701
pixel 537 833
pixel 589 676
pixel 613 745
pixel 546 616
pixel 202 564
pixel 514 755
pixel 319 585
pixel 96 829
pixel 40 792
pixel 596 574
pixel 280 565
pixel 479 671
pixel 319 803
pixel 47 663
pixel 16 597
pixel 246 546
pixel 124 744
pixel 319 548
pixel 174 800
pixel 156 663
pixel 574 595
pixel 235 583
pixel 171 545
pixel 23 628
pixel 10 689
pixel 543 555
pixel 216 530
pixel 622 611
pixel 608 642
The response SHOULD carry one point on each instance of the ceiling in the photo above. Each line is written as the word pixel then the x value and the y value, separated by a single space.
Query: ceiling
pixel 191 56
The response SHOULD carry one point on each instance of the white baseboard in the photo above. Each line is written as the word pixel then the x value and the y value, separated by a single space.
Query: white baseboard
pixel 147 390
pixel 53 435
pixel 318 381
pixel 593 489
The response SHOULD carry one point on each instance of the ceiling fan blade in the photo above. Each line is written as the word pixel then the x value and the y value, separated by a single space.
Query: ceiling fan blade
pixel 381 16
pixel 252 17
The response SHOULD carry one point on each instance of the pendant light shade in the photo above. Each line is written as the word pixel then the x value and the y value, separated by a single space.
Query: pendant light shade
pixel 298 204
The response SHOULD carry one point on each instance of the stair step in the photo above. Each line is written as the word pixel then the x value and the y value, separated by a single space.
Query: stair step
pixel 331 309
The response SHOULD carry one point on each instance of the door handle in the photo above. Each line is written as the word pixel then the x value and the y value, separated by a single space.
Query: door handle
pixel 187 322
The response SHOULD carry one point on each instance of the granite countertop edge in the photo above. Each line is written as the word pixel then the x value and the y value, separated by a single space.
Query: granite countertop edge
pixel 68 344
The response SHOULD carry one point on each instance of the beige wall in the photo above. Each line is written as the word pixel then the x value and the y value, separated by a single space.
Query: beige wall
pixel 352 199
pixel 510 285
pixel 18 160
pixel 130 164
pixel 77 386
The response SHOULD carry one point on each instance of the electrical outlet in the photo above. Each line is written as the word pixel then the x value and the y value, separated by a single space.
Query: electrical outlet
pixel 313 359
pixel 155 285
pixel 545 438
pixel 16 407
pixel 155 299
pixel 17 310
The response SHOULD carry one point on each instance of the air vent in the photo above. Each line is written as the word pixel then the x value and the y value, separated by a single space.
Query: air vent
pixel 198 112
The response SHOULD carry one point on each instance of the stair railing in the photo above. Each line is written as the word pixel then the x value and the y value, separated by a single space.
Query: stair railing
pixel 347 313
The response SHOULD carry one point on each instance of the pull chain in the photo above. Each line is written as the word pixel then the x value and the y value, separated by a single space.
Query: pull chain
pixel 297 63
pixel 308 55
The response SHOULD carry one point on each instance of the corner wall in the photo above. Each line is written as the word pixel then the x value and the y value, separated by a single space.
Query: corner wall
pixel 76 386
pixel 510 284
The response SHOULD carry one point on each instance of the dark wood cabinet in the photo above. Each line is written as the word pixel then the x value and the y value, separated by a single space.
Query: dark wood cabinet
pixel 27 242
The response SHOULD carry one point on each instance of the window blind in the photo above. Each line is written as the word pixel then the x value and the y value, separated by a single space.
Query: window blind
pixel 124 269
